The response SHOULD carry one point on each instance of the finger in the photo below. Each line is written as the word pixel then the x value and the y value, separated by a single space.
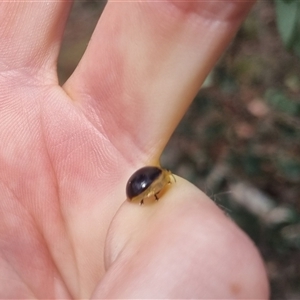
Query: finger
pixel 144 65
pixel 181 247
pixel 30 34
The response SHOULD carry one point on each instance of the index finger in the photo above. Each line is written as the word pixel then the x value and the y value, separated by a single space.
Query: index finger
pixel 144 65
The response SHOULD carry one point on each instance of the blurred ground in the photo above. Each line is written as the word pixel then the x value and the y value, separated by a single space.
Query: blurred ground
pixel 240 140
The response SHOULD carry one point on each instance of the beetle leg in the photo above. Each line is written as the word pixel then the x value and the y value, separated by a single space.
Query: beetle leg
pixel 142 202
pixel 155 195
pixel 174 177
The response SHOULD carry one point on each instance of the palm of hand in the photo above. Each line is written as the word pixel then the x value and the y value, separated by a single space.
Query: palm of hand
pixel 58 177
pixel 64 159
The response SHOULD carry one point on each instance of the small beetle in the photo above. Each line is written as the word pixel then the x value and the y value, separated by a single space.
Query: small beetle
pixel 147 182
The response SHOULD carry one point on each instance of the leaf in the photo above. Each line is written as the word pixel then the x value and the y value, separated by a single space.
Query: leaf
pixel 287 20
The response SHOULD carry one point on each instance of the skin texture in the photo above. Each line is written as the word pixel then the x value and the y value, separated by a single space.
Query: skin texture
pixel 66 153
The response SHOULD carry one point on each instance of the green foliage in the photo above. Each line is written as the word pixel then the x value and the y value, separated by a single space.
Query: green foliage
pixel 280 102
pixel 288 167
pixel 288 22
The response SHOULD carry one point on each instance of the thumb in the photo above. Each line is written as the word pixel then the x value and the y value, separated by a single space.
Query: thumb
pixel 182 246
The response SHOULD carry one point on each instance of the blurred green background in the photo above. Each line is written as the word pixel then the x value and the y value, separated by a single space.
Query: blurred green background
pixel 240 140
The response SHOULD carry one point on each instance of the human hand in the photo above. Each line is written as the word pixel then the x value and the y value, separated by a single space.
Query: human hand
pixel 67 152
